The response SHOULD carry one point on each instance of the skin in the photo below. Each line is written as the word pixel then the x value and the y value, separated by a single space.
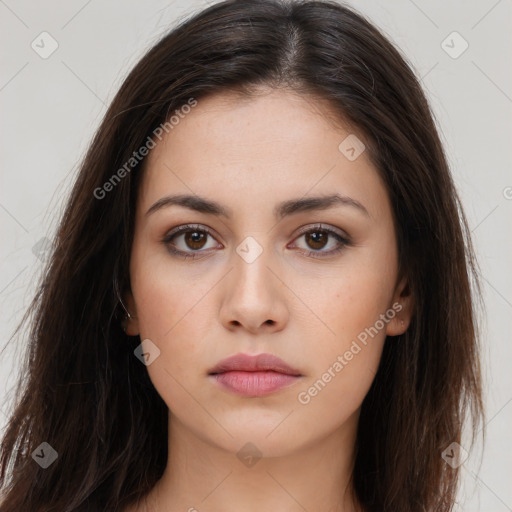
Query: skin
pixel 249 155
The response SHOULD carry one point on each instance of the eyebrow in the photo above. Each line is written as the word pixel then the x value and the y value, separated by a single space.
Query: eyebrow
pixel 289 207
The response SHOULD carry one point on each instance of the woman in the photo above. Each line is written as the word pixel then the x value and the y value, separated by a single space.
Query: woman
pixel 259 296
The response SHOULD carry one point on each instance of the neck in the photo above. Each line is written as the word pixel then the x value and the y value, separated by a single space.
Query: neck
pixel 201 476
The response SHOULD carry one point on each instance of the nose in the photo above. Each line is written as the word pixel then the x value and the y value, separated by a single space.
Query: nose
pixel 253 297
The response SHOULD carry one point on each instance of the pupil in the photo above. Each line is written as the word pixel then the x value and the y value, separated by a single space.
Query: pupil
pixel 194 237
pixel 318 239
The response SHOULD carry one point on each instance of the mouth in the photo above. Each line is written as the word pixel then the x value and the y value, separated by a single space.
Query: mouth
pixel 254 376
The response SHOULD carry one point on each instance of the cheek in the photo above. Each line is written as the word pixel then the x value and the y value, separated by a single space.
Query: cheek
pixel 355 307
pixel 334 396
pixel 344 363
pixel 166 297
pixel 172 315
pixel 169 311
pixel 355 299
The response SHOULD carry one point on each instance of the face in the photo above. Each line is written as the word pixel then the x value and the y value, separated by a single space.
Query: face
pixel 314 284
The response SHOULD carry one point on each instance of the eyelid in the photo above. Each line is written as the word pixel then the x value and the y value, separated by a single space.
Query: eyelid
pixel 187 227
pixel 184 228
pixel 324 227
pixel 343 239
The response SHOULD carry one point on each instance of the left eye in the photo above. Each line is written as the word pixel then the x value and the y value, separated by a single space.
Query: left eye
pixel 318 237
pixel 194 240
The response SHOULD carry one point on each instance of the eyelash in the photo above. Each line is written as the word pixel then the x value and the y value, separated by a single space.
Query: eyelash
pixel 344 242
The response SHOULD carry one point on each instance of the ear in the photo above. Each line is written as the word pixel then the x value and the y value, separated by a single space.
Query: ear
pixel 403 305
pixel 131 325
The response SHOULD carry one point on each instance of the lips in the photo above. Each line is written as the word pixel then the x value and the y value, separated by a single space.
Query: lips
pixel 247 363
pixel 254 376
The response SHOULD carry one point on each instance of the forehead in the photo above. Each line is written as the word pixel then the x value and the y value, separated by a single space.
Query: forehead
pixel 235 123
pixel 268 146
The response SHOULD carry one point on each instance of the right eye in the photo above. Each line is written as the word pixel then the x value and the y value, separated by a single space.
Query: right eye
pixel 193 237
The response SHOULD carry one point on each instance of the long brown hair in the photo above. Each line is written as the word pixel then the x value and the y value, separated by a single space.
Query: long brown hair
pixel 84 392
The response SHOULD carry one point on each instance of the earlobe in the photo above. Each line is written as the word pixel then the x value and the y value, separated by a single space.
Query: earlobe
pixel 402 305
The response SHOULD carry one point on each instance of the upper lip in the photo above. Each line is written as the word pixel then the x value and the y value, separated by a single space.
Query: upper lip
pixel 248 363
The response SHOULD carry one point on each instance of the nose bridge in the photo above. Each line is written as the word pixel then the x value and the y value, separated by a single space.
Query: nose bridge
pixel 252 295
pixel 252 278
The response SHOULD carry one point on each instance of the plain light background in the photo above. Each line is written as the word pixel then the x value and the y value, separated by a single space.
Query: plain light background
pixel 51 107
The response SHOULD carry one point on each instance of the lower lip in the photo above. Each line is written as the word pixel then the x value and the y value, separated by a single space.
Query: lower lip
pixel 254 383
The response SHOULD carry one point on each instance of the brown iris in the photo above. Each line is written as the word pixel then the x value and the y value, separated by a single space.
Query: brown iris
pixel 318 238
pixel 192 238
